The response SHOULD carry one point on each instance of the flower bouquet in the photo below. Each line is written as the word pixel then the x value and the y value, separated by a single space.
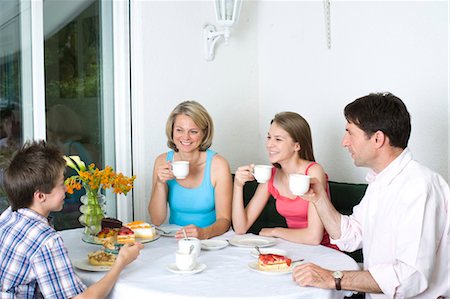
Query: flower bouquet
pixel 93 180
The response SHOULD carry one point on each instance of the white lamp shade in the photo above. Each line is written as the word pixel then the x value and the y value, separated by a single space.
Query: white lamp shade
pixel 227 12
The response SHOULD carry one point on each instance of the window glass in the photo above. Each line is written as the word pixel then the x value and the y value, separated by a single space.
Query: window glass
pixel 10 95
pixel 72 87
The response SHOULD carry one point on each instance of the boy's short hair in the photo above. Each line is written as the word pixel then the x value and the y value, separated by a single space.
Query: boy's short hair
pixel 36 166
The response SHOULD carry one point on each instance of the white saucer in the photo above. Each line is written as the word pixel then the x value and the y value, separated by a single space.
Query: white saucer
pixel 174 269
pixel 214 244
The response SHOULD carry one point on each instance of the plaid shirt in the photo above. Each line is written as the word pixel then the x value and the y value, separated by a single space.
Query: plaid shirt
pixel 33 259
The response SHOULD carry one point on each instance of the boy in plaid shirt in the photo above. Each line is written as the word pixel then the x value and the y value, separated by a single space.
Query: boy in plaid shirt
pixel 33 260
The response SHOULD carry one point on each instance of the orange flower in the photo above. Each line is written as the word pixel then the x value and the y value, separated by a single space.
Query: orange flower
pixel 93 179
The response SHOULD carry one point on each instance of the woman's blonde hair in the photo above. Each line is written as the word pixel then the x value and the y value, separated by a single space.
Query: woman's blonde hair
pixel 200 117
pixel 298 128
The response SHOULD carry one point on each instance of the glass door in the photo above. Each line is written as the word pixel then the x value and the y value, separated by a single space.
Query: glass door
pixel 11 95
pixel 57 75
pixel 77 117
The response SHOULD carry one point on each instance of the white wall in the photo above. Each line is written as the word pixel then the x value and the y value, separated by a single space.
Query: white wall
pixel 277 60
pixel 168 66
pixel 400 47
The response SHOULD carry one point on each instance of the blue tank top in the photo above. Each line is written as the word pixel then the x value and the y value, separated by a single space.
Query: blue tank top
pixel 193 205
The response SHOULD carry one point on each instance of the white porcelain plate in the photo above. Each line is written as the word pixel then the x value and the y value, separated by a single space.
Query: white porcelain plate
pixel 168 230
pixel 83 264
pixel 255 253
pixel 252 241
pixel 214 244
pixel 254 267
pixel 174 269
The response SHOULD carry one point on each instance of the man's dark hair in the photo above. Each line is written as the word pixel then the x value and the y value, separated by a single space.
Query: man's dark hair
pixel 381 112
pixel 36 166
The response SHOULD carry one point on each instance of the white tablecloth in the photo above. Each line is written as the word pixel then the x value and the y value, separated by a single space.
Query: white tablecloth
pixel 227 274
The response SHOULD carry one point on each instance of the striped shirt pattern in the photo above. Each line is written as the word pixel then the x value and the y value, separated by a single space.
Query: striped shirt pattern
pixel 33 259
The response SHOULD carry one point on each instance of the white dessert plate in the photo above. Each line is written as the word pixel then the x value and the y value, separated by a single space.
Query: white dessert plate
pixel 174 269
pixel 254 267
pixel 252 241
pixel 83 264
pixel 214 244
pixel 96 241
pixel 168 230
pixel 255 253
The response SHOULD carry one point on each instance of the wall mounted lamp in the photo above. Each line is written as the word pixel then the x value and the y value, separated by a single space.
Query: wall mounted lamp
pixel 227 14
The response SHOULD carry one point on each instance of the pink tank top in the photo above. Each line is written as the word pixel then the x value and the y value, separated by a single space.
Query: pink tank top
pixel 295 211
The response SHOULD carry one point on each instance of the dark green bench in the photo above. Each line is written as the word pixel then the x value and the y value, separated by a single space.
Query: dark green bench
pixel 344 197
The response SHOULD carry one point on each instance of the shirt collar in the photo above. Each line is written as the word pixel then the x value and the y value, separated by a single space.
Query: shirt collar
pixel 29 213
pixel 387 175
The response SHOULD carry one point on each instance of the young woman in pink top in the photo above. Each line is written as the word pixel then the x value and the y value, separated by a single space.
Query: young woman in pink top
pixel 289 145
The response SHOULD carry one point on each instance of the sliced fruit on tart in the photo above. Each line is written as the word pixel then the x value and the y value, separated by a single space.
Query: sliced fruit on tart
pixel 125 235
pixel 273 262
pixel 107 233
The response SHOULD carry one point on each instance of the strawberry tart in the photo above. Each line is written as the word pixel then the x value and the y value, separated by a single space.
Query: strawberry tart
pixel 125 235
pixel 273 262
pixel 107 234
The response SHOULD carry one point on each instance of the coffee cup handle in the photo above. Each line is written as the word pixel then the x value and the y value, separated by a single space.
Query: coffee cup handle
pixel 252 170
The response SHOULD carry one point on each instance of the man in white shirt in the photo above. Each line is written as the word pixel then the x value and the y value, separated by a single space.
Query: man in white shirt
pixel 402 223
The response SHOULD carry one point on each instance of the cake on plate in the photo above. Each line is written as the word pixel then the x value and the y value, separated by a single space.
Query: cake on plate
pixel 109 222
pixel 101 258
pixel 142 229
pixel 107 234
pixel 125 235
pixel 273 262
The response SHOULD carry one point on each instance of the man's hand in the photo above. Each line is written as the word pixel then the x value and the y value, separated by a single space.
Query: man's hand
pixel 311 275
pixel 316 191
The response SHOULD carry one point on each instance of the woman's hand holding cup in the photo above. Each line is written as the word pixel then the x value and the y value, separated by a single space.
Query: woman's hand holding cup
pixel 165 173
pixel 244 174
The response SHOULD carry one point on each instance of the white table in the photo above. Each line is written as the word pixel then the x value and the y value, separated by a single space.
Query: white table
pixel 227 274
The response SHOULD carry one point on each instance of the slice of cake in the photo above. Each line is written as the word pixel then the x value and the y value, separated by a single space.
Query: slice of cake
pixel 273 262
pixel 109 222
pixel 107 234
pixel 101 258
pixel 142 229
pixel 125 235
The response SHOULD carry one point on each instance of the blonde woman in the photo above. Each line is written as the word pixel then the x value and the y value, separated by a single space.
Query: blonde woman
pixel 289 145
pixel 201 202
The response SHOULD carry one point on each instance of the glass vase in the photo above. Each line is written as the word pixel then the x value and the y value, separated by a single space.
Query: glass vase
pixel 92 212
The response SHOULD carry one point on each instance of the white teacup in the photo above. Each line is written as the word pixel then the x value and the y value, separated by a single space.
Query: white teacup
pixel 184 245
pixel 262 173
pixel 180 169
pixel 185 261
pixel 299 183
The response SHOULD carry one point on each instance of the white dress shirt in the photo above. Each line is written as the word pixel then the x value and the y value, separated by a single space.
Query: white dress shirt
pixel 402 224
